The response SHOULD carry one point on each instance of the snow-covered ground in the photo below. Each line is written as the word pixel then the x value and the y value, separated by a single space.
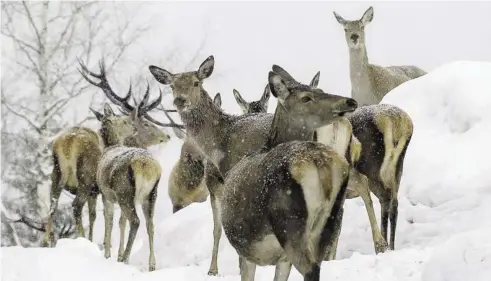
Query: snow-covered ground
pixel 443 230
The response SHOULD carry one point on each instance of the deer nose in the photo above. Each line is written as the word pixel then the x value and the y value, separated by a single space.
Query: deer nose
pixel 354 37
pixel 351 103
pixel 179 102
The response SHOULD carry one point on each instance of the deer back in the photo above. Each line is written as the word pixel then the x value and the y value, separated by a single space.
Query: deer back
pixel 76 152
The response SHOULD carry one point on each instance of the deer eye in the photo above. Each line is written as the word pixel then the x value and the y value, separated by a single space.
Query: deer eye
pixel 196 84
pixel 345 30
pixel 306 99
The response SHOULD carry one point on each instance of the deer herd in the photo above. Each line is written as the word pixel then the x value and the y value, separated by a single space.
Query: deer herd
pixel 276 182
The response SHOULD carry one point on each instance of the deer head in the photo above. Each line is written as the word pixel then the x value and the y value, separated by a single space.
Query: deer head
pixel 355 29
pixel 187 87
pixel 133 128
pixel 312 106
pixel 254 106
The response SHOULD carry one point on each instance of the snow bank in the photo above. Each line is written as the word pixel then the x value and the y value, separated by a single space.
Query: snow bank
pixel 444 207
pixel 466 256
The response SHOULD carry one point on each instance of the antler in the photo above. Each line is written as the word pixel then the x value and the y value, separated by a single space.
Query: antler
pixel 123 102
pixel 143 110
pixel 104 84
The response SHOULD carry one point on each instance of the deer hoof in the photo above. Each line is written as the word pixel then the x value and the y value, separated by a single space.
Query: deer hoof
pixel 381 246
pixel 151 267
pixel 213 272
pixel 120 259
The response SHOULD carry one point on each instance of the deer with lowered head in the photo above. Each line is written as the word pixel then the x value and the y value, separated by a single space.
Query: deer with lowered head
pixel 370 82
pixel 77 151
pixel 186 183
pixel 224 139
pixel 374 139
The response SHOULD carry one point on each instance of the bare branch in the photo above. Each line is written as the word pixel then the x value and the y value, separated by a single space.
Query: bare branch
pixel 32 23
pixel 25 118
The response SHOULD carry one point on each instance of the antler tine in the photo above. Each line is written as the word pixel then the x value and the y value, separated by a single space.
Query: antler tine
pixel 142 108
pixel 172 125
pixel 155 103
pixel 104 84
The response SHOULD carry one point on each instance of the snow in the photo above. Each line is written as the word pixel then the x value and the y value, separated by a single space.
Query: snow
pixel 444 206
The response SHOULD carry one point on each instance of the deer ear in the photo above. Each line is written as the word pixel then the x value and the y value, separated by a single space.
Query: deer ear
pixel 97 114
pixel 218 100
pixel 241 102
pixel 179 133
pixel 206 68
pixel 367 16
pixel 278 87
pixel 162 75
pixel 315 81
pixel 339 18
pixel 108 111
pixel 265 97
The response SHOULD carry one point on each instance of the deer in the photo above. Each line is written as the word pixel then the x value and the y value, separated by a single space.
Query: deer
pixel 370 82
pixel 186 184
pixel 255 106
pixel 77 151
pixel 374 139
pixel 128 176
pixel 278 203
pixel 224 139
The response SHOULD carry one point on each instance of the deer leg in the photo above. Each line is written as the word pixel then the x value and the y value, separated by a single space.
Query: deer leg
pixel 384 209
pixel 314 273
pixel 148 211
pixel 108 225
pixel 359 182
pixel 282 271
pixel 247 270
pixel 132 216
pixel 217 233
pixel 393 219
pixel 92 215
pixel 48 240
pixel 122 229
pixel 333 246
pixel 214 183
pixel 78 205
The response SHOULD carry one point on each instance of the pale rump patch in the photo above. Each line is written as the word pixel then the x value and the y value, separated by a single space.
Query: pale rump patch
pixel 146 172
pixel 397 127
pixel 336 135
pixel 320 185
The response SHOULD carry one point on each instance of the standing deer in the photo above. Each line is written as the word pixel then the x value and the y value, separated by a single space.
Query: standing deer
pixel 128 176
pixel 76 154
pixel 224 139
pixel 278 204
pixel 370 82
pixel 255 106
pixel 186 183
pixel 374 140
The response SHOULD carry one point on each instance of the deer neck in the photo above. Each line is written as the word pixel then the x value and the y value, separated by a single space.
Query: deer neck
pixel 360 75
pixel 109 137
pixel 132 141
pixel 204 123
pixel 285 129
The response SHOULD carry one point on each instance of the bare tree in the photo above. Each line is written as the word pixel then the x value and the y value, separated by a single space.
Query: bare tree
pixel 41 42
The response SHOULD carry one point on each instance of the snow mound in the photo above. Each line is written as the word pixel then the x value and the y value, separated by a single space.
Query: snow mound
pixel 466 256
pixel 444 206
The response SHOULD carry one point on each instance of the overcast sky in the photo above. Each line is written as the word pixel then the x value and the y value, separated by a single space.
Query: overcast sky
pixel 246 38
pixel 304 37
